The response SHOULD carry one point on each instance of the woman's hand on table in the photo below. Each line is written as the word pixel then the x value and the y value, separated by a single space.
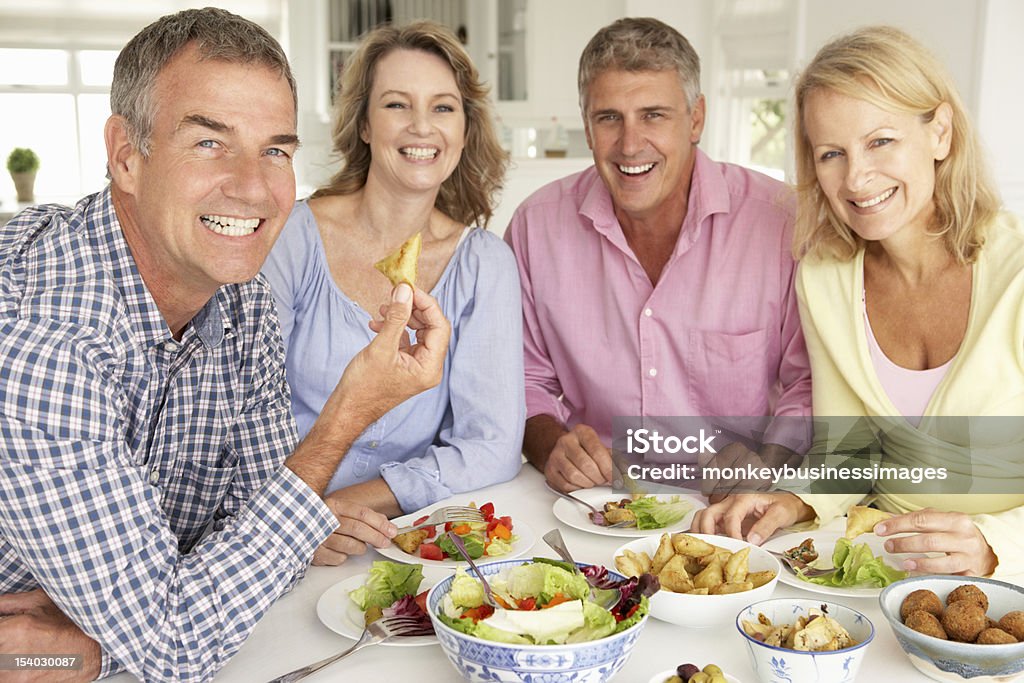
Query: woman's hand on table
pixel 754 516
pixel 358 526
pixel 963 547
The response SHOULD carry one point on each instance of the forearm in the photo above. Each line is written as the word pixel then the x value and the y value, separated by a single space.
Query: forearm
pixel 319 454
pixel 375 494
pixel 539 438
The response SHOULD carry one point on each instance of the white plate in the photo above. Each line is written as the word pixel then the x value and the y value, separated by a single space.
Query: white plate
pixel 825 543
pixel 576 515
pixel 661 676
pixel 523 533
pixel 338 613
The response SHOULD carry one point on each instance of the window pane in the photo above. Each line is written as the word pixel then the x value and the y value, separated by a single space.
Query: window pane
pixel 33 67
pixel 97 66
pixel 93 112
pixel 46 124
pixel 768 135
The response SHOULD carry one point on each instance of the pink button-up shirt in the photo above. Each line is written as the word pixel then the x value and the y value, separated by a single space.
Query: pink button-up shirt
pixel 719 335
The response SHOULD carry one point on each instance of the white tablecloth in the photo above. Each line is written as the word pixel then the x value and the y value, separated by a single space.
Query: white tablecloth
pixel 291 635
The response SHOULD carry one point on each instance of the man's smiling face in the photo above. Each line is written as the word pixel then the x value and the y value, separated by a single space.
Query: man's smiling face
pixel 643 136
pixel 212 196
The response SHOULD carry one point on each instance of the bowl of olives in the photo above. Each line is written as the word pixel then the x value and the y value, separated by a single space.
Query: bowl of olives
pixel 691 673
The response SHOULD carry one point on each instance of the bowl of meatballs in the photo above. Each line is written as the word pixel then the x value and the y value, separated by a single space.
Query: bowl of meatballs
pixel 956 628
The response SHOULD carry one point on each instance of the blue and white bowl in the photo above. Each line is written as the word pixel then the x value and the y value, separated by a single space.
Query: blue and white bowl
pixel 476 659
pixel 947 660
pixel 780 665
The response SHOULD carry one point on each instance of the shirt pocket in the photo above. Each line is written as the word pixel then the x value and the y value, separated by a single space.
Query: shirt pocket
pixel 731 374
pixel 196 494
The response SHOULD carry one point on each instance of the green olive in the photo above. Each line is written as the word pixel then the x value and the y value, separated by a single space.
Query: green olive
pixel 700 677
pixel 673 679
pixel 713 669
pixel 718 678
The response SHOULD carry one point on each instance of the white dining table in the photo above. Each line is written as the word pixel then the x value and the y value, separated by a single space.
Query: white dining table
pixel 290 635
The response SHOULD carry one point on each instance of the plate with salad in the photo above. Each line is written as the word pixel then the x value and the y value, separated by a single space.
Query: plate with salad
pixel 653 512
pixel 865 565
pixel 388 585
pixel 542 602
pixel 498 537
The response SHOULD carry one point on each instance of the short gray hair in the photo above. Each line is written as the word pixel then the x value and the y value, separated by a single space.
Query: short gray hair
pixel 217 34
pixel 640 44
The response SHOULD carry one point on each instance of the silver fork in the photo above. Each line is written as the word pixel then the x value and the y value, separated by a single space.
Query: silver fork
pixel 457 514
pixel 376 632
pixel 797 567
pixel 605 597
pixel 595 513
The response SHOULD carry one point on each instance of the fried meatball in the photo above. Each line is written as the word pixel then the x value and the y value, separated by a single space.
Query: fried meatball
pixel 921 600
pixel 964 620
pixel 926 623
pixel 968 591
pixel 1013 623
pixel 995 636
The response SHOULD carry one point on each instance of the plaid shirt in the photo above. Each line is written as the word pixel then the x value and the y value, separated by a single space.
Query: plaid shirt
pixel 121 446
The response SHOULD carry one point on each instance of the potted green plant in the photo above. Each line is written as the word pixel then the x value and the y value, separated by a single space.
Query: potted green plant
pixel 23 164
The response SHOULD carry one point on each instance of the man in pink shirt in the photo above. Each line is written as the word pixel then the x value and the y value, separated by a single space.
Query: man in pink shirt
pixel 657 282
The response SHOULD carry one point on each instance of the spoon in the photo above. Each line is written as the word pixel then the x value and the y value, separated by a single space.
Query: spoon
pixel 461 547
pixel 606 598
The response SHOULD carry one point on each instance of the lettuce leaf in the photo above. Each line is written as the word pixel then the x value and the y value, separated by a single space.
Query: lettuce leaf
pixel 856 565
pixel 652 513
pixel 386 582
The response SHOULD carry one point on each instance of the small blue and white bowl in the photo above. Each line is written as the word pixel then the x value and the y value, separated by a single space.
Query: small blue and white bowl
pixel 780 665
pixel 487 661
pixel 947 660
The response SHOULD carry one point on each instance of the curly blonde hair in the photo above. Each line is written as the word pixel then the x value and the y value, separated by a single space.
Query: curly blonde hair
pixel 886 67
pixel 468 194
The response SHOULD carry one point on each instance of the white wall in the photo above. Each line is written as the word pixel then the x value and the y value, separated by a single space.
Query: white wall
pixel 1001 98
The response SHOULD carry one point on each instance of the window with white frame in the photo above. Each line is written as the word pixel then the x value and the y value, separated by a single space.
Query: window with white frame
pixel 56 101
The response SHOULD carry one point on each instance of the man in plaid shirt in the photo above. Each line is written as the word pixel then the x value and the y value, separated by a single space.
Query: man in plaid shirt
pixel 142 391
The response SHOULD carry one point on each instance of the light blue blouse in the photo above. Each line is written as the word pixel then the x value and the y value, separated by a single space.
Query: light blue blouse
pixel 462 435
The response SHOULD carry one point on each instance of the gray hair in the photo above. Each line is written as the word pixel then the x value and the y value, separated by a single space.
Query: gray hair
pixel 640 44
pixel 217 34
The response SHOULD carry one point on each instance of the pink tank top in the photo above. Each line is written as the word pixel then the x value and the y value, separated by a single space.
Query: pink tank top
pixel 909 390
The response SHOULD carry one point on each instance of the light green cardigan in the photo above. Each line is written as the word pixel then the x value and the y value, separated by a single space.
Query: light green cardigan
pixel 986 378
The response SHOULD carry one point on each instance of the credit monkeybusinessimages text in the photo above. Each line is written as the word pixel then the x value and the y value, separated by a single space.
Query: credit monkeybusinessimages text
pixel 681 472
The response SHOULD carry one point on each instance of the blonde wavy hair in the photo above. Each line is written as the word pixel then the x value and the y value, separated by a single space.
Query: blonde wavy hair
pixel 468 194
pixel 886 67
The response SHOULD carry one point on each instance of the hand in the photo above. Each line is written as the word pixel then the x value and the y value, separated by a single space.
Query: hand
pixel 389 370
pixel 31 623
pixel 754 515
pixel 965 549
pixel 358 525
pixel 578 460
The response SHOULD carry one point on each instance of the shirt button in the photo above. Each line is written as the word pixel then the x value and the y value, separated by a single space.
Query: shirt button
pixel 373 444
pixel 648 312
pixel 652 372
pixel 154 476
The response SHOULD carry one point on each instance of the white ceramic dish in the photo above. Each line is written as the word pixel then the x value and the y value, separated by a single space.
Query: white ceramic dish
pixel 524 540
pixel 668 673
pixel 825 543
pixel 772 664
pixel 576 515
pixel 338 613
pixel 702 611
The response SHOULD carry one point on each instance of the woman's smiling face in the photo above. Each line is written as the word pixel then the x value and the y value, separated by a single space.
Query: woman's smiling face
pixel 875 167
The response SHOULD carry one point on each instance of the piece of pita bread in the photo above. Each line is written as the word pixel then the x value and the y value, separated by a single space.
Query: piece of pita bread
pixel 401 266
pixel 861 520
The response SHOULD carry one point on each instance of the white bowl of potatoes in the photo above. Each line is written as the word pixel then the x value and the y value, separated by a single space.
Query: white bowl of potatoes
pixel 705 580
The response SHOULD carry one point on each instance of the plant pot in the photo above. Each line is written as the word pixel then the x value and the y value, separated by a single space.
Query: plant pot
pixel 24 184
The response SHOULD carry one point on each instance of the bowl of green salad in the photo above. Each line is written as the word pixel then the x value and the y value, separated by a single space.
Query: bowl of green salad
pixel 547 627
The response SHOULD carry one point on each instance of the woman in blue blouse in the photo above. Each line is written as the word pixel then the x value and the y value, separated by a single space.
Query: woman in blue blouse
pixel 413 128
